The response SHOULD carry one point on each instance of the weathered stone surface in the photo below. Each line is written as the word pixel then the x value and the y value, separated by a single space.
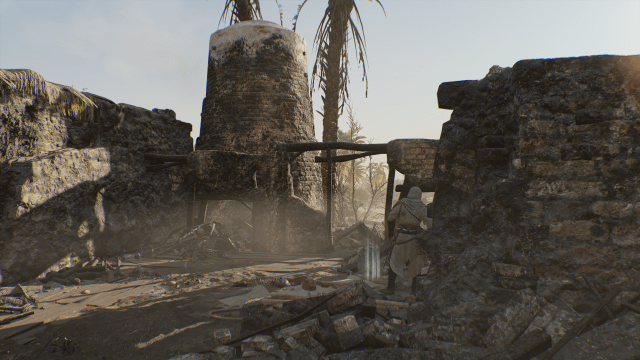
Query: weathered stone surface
pixel 224 352
pixel 554 320
pixel 617 339
pixel 75 188
pixel 257 95
pixel 514 271
pixel 527 346
pixel 380 334
pixel 352 294
pixel 521 310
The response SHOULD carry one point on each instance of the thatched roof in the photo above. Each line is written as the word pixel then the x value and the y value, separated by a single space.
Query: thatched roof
pixel 65 99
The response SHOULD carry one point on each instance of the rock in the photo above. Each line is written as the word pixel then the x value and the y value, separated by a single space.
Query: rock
pixel 517 284
pixel 527 346
pixel 191 356
pixel 298 331
pixel 379 334
pixel 352 294
pixel 222 336
pixel 86 292
pixel 224 352
pixel 521 310
pixel 348 331
pixel 446 350
pixel 555 320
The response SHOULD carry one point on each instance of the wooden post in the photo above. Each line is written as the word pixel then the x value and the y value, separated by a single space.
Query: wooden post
pixel 202 211
pixel 387 206
pixel 329 198
pixel 190 204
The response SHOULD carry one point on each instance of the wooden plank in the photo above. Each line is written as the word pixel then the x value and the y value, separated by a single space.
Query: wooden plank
pixel 581 325
pixel 295 147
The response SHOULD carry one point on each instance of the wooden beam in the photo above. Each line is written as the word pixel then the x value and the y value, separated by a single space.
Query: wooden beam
pixel 329 185
pixel 166 158
pixel 295 147
pixel 343 158
pixel 425 188
pixel 389 200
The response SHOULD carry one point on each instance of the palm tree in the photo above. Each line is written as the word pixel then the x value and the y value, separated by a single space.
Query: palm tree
pixel 331 67
pixel 241 10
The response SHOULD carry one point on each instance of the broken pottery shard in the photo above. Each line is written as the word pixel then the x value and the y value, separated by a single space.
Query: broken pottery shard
pixel 616 339
pixel 352 294
pixel 224 352
pixel 222 336
pixel 520 311
pixel 302 330
pixel 526 347
pixel 554 320
pixel 348 331
pixel 380 334
pixel 513 271
pixel 517 284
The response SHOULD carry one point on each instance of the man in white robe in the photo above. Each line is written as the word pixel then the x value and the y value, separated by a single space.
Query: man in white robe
pixel 406 258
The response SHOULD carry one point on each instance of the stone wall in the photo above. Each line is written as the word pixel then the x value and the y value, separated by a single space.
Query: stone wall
pixel 537 167
pixel 72 187
pixel 258 95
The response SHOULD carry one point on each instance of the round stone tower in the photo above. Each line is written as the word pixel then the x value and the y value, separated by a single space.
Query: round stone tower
pixel 258 94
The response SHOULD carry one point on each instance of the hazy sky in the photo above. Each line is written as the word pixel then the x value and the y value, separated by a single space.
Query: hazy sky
pixel 153 53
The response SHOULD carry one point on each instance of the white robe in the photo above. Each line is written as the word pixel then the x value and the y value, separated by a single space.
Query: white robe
pixel 411 211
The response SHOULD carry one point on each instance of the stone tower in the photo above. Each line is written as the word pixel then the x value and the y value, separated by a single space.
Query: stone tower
pixel 258 94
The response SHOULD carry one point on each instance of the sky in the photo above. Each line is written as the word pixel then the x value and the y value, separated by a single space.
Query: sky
pixel 153 53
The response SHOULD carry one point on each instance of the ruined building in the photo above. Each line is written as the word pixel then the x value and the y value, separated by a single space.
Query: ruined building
pixel 537 167
pixel 72 175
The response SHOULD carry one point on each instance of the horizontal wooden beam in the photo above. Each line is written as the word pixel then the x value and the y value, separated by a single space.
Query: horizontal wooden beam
pixel 343 158
pixel 424 188
pixel 295 147
pixel 166 158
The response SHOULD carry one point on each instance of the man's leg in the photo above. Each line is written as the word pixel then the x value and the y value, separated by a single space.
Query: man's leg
pixel 391 284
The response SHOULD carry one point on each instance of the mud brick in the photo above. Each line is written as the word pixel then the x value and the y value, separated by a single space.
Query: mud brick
pixel 517 284
pixel 301 330
pixel 516 317
pixel 513 271
pixel 224 352
pixel 350 295
pixel 222 336
pixel 380 334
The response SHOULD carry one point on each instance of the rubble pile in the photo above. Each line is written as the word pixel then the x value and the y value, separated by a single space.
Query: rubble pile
pixel 201 242
pixel 16 302
pixel 356 322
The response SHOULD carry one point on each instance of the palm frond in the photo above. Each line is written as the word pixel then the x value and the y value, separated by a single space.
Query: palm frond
pixel 295 17
pixel 280 11
pixel 240 10
pixel 64 99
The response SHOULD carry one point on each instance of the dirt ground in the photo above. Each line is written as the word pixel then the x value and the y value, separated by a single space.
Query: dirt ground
pixel 160 310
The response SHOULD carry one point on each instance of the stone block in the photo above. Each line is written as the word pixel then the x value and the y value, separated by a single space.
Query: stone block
pixel 527 346
pixel 348 331
pixel 554 320
pixel 568 168
pixel 612 209
pixel 349 295
pixel 568 189
pixel 490 155
pixel 301 330
pixel 224 352
pixel 222 336
pixel 264 343
pixel 581 229
pixel 507 325
pixel 380 334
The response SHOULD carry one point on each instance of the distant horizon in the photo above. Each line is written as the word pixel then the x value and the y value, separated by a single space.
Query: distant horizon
pixel 153 54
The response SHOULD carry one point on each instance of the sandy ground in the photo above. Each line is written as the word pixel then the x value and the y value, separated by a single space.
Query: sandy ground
pixel 160 311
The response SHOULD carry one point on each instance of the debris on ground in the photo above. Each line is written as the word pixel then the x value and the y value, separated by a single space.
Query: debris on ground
pixel 17 302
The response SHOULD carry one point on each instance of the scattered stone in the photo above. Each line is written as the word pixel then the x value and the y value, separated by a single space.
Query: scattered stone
pixel 191 356
pixel 86 292
pixel 301 330
pixel 525 347
pixel 222 336
pixel 352 294
pixel 224 352
pixel 348 331
pixel 380 334
pixel 554 319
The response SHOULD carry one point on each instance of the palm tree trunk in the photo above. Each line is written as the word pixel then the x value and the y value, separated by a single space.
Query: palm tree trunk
pixel 243 7
pixel 331 100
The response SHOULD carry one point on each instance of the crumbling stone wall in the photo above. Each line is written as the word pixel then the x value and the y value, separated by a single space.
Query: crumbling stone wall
pixel 258 95
pixel 71 187
pixel 537 167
